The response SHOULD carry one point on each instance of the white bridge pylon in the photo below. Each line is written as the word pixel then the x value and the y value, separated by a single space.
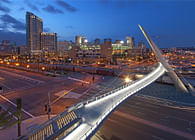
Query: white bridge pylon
pixel 176 80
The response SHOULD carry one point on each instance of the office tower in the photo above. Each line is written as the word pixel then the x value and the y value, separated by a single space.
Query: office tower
pixel 97 41
pixel 49 43
pixel 84 40
pixel 130 42
pixel 78 40
pixel 141 45
pixel 106 50
pixel 6 42
pixel 119 42
pixel 6 46
pixel 34 27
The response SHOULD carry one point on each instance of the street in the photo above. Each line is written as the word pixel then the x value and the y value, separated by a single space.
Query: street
pixel 141 119
pixel 137 118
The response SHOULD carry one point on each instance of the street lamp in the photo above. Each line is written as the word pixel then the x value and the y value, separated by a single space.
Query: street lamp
pixel 127 80
pixel 42 68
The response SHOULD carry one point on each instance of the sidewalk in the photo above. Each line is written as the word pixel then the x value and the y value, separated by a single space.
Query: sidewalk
pixel 26 126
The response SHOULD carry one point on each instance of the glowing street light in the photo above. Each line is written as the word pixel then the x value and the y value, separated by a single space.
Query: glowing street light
pixel 17 64
pixel 27 66
pixel 8 63
pixel 127 80
pixel 42 68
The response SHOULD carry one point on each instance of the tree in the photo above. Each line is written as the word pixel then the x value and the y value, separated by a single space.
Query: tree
pixel 19 114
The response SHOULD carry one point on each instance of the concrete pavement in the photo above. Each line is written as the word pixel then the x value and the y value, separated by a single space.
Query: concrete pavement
pixel 27 125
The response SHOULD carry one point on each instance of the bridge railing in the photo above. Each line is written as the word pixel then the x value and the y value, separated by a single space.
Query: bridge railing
pixel 86 102
pixel 135 89
pixel 92 99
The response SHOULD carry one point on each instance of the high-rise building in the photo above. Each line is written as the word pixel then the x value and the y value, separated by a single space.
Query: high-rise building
pixel 97 41
pixel 5 46
pixel 84 40
pixel 63 47
pixel 34 27
pixel 106 50
pixel 141 49
pixel 141 45
pixel 130 42
pixel 49 43
pixel 78 40
pixel 6 42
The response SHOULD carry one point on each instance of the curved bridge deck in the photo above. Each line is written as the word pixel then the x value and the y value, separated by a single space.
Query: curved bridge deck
pixel 95 112
pixel 82 120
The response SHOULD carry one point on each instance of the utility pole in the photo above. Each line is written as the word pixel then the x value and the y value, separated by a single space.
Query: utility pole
pixel 93 78
pixel 19 115
pixel 38 64
pixel 49 109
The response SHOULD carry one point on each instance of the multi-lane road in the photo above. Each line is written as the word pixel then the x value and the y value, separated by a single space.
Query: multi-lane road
pixel 137 118
pixel 33 88
pixel 144 119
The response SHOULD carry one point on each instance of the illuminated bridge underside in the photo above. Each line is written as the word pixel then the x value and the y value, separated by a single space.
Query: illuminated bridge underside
pixel 94 113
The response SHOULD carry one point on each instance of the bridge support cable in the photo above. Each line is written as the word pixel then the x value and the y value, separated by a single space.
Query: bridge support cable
pixel 176 80
pixel 190 87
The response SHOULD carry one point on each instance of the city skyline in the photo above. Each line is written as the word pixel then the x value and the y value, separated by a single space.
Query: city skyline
pixel 103 19
pixel 97 69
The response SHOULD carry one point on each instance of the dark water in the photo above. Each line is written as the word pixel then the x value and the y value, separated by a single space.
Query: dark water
pixel 169 92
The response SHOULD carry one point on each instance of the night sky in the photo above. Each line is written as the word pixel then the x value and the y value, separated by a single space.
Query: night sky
pixel 171 23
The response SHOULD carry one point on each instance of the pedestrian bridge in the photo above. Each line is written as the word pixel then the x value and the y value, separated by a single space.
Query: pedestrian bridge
pixel 94 112
pixel 82 120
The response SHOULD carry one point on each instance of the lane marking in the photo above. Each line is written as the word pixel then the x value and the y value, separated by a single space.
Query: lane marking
pixel 65 92
pixel 1 78
pixel 32 116
pixel 5 86
pixel 21 76
pixel 4 108
pixel 157 137
pixel 17 89
pixel 155 125
pixel 82 81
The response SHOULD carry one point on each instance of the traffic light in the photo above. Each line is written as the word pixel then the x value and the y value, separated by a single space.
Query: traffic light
pixel 46 107
pixel 19 114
